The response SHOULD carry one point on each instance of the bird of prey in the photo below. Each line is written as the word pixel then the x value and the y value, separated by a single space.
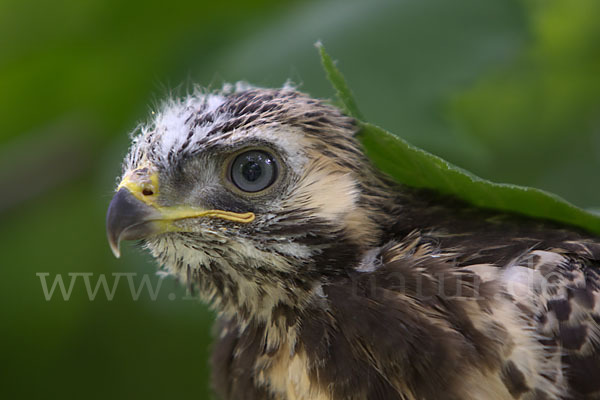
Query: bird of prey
pixel 332 281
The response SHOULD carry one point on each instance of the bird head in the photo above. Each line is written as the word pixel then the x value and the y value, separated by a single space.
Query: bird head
pixel 256 196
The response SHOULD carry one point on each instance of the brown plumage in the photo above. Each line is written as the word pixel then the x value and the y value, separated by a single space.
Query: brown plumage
pixel 330 281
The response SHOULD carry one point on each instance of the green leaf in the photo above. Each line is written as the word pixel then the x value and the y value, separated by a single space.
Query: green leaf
pixel 414 167
pixel 338 82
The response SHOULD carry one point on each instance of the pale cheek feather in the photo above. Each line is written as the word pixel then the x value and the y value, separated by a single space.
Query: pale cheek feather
pixel 324 192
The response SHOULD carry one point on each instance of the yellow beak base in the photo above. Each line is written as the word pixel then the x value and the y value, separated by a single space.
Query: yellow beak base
pixel 133 213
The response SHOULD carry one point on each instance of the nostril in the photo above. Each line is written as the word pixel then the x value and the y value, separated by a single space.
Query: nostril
pixel 147 192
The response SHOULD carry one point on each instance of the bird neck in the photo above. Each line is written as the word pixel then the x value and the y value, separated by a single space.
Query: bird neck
pixel 256 292
pixel 397 320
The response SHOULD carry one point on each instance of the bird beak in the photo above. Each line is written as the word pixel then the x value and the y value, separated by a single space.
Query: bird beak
pixel 134 214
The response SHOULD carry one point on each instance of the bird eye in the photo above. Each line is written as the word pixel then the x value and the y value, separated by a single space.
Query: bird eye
pixel 253 171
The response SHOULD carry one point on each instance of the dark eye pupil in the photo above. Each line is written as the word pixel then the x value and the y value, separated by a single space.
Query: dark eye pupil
pixel 251 171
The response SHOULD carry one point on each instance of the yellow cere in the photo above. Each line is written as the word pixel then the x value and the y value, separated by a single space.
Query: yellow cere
pixel 142 183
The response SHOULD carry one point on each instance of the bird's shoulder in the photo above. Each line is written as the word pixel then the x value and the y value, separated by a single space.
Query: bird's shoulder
pixel 542 275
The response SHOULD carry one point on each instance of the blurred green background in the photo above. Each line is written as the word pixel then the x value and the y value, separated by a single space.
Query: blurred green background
pixel 509 89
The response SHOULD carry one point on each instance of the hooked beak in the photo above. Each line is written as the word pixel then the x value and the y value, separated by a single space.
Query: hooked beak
pixel 133 213
pixel 129 219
